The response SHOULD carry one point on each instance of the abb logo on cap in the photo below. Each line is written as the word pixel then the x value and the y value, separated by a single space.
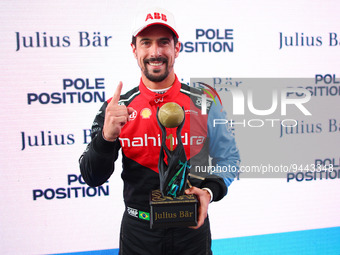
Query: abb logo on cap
pixel 156 15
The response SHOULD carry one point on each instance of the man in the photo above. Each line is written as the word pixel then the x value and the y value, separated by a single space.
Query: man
pixel 128 122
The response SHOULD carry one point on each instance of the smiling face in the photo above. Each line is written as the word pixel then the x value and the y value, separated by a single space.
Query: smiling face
pixel 155 52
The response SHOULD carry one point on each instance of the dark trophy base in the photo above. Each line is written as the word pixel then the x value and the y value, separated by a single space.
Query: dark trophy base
pixel 167 212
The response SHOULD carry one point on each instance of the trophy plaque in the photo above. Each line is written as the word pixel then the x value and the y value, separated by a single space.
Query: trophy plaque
pixel 169 206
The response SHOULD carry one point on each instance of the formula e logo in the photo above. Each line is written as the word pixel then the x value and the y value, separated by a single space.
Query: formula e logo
pixel 133 212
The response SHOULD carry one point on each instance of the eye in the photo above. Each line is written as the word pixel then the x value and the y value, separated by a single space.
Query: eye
pixel 145 43
pixel 164 42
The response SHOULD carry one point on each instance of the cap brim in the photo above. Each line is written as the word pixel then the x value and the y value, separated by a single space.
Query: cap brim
pixel 156 23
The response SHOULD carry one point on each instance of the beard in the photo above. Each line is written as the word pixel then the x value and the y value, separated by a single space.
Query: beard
pixel 155 75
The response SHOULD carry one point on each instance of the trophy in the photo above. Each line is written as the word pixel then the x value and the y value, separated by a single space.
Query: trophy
pixel 169 206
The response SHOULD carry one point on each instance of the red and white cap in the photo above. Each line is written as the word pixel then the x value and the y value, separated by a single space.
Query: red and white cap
pixel 154 16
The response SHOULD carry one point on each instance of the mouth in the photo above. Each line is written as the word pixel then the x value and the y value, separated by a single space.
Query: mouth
pixel 155 62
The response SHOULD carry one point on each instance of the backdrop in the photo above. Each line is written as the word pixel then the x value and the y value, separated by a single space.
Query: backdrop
pixel 60 60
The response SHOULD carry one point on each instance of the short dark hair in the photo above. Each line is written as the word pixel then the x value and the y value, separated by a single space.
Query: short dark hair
pixel 133 40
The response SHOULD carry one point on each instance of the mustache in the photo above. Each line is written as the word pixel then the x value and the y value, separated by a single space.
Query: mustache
pixel 159 59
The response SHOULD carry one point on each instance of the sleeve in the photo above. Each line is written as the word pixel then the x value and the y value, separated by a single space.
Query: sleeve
pixel 97 161
pixel 223 151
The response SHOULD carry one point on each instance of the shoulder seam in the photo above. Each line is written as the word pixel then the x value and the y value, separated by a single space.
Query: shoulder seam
pixel 129 96
pixel 190 91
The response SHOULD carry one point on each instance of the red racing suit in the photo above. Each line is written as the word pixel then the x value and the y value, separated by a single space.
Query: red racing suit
pixel 140 142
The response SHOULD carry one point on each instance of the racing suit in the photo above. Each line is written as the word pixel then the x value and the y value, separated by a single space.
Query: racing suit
pixel 140 141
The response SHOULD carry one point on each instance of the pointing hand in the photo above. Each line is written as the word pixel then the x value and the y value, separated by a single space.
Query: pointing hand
pixel 116 116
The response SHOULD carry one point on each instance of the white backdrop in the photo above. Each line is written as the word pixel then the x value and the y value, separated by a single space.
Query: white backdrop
pixel 47 45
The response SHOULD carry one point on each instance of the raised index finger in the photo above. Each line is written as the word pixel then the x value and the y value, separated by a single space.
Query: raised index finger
pixel 116 95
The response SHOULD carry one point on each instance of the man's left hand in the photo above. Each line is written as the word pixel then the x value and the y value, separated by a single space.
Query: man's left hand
pixel 203 197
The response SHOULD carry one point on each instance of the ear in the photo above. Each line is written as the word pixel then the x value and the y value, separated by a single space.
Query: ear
pixel 134 50
pixel 177 49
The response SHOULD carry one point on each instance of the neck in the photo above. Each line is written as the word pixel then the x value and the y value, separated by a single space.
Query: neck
pixel 166 83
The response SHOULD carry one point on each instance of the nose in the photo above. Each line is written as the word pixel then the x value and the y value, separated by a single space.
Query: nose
pixel 155 50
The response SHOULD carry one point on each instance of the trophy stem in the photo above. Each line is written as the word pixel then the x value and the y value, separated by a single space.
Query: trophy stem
pixel 169 206
pixel 174 172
